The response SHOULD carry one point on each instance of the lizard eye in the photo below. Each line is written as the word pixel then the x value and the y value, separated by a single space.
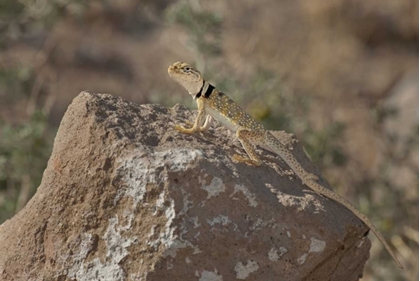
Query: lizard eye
pixel 187 69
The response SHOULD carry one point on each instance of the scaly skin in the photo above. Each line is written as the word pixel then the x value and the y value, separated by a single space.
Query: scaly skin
pixel 213 104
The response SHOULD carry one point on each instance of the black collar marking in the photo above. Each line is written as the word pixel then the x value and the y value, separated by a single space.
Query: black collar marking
pixel 199 92
pixel 209 90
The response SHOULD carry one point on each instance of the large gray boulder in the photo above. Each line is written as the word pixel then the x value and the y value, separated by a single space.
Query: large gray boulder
pixel 126 197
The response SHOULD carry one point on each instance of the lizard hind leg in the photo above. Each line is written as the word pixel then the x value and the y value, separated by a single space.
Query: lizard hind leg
pixel 244 137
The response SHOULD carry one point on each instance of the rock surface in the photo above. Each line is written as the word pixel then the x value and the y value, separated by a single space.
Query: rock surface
pixel 126 197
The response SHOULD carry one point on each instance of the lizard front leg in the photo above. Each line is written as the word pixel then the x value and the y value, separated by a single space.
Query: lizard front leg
pixel 245 136
pixel 197 123
pixel 206 125
pixel 202 127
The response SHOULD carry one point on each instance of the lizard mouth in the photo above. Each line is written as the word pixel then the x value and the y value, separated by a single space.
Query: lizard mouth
pixel 170 69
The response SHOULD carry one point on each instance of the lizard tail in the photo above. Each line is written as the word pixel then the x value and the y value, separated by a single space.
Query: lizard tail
pixel 277 147
pixel 335 197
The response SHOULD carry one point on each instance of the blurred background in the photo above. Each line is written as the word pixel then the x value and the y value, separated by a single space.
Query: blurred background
pixel 340 74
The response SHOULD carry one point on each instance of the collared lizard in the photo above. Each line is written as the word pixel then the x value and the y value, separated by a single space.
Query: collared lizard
pixel 214 104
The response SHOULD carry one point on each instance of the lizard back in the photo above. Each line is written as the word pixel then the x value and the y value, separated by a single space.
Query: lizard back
pixel 225 110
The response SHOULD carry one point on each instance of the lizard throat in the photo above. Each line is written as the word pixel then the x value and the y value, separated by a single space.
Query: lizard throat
pixel 208 91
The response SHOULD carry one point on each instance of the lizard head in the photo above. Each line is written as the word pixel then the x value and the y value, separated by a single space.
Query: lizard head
pixel 187 76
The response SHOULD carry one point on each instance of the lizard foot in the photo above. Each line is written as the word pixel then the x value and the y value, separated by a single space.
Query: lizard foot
pixel 239 159
pixel 312 177
pixel 309 177
pixel 182 129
